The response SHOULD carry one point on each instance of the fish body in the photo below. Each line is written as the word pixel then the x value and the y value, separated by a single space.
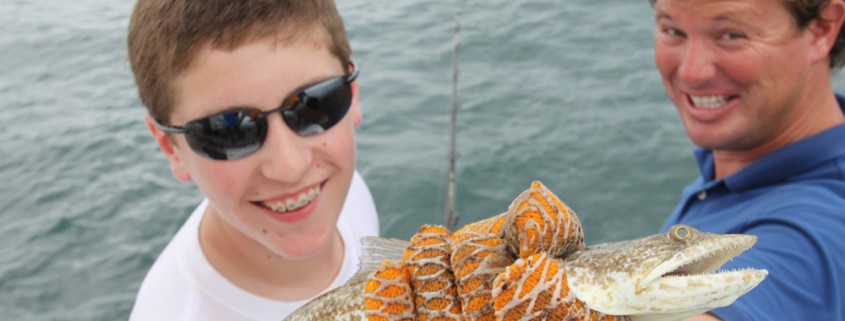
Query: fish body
pixel 531 263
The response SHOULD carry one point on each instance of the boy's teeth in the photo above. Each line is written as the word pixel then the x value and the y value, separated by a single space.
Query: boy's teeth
pixel 276 207
pixel 712 101
pixel 294 203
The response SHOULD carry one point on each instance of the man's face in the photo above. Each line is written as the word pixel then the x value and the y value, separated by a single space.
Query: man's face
pixel 313 172
pixel 736 70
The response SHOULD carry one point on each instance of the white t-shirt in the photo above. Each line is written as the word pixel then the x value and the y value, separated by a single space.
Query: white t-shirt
pixel 182 284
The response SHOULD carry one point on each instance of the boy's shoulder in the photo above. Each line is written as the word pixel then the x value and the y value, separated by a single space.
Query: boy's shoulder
pixel 168 287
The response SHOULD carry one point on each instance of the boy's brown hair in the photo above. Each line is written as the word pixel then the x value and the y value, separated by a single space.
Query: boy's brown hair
pixel 165 36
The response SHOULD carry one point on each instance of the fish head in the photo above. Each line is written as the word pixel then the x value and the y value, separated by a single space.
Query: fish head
pixel 666 276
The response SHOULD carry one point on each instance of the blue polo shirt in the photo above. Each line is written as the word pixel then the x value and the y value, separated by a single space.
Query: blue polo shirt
pixel 793 200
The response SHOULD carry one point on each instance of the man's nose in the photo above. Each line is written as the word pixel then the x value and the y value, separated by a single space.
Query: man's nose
pixel 697 63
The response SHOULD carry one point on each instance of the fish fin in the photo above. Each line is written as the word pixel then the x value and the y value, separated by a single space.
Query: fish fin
pixel 377 249
pixel 490 270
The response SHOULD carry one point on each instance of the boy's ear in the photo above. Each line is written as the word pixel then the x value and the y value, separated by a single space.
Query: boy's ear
pixel 355 108
pixel 826 29
pixel 168 148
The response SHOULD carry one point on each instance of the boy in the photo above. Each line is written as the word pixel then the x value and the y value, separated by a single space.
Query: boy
pixel 255 102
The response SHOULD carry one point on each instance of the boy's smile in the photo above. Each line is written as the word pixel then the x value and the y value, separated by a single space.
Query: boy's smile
pixel 289 204
pixel 292 207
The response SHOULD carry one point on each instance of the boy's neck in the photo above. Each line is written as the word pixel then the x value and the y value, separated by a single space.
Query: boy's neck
pixel 255 269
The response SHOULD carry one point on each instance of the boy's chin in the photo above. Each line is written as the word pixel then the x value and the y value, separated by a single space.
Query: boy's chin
pixel 301 247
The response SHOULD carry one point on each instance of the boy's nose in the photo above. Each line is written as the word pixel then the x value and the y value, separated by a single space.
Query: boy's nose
pixel 286 156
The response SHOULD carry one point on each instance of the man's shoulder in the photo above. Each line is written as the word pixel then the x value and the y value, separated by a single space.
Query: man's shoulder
pixel 809 195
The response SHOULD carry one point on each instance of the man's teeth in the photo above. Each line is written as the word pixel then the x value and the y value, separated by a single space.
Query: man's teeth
pixel 294 203
pixel 709 101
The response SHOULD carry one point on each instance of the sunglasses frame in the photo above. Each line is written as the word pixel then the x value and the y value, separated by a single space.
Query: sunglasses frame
pixel 258 116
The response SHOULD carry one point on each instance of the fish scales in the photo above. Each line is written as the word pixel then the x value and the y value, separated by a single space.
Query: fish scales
pixel 428 261
pixel 388 294
pixel 474 255
pixel 530 263
pixel 535 288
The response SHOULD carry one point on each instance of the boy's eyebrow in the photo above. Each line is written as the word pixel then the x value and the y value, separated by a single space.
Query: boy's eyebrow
pixel 226 109
pixel 310 82
pixel 233 108
pixel 296 90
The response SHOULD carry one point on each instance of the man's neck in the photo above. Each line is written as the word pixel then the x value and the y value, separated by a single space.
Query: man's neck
pixel 819 114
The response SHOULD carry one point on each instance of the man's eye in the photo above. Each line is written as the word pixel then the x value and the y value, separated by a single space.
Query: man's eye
pixel 673 32
pixel 732 36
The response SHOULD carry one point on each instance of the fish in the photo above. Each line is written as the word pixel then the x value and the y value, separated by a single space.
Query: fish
pixel 531 263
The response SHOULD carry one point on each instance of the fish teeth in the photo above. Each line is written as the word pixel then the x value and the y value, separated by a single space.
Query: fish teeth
pixel 293 203
pixel 709 101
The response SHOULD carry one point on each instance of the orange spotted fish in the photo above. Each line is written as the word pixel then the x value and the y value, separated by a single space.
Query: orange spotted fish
pixel 531 263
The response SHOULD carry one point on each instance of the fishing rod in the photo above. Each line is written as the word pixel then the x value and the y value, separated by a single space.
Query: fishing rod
pixel 451 215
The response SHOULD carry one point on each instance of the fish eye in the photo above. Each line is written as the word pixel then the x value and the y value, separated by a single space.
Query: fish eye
pixel 681 232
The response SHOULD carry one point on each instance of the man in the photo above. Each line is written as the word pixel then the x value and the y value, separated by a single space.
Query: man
pixel 751 82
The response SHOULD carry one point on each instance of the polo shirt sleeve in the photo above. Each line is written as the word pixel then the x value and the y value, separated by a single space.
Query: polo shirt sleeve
pixel 800 247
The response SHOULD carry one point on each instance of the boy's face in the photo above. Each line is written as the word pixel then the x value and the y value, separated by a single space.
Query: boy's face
pixel 313 172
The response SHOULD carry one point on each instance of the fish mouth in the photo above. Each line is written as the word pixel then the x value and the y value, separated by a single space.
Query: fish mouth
pixel 667 276
pixel 703 259
pixel 691 280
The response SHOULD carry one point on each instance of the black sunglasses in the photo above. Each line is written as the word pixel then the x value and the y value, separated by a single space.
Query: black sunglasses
pixel 240 132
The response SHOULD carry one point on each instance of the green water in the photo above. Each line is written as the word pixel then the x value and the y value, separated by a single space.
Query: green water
pixel 559 91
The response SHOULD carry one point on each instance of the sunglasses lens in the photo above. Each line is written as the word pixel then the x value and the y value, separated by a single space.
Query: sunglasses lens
pixel 229 135
pixel 318 108
pixel 239 133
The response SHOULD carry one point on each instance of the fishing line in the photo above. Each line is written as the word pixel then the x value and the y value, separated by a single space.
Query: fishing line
pixel 451 215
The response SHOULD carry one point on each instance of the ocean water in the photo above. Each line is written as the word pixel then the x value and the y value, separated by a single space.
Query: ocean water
pixel 561 92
